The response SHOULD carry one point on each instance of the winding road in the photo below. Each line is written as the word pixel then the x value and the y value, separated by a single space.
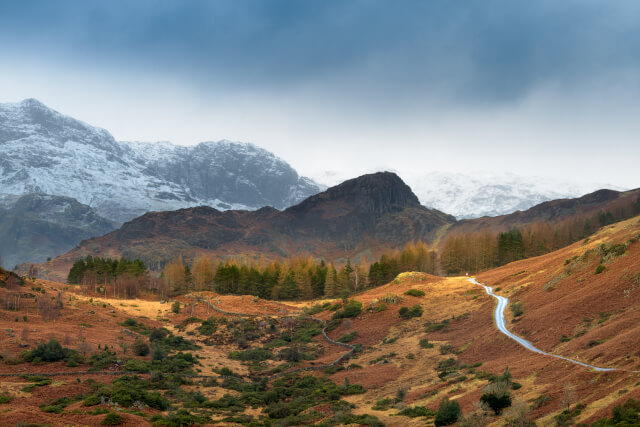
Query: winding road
pixel 501 324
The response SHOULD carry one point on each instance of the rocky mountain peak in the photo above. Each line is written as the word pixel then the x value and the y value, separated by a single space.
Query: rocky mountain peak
pixel 377 194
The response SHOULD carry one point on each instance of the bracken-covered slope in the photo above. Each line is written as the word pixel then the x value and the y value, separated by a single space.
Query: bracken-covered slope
pixel 44 151
pixel 361 216
pixel 567 309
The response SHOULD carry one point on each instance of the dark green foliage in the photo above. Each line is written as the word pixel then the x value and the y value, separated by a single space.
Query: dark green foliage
pixel 424 343
pixel 100 361
pixel 209 326
pixel 516 309
pixel 408 313
pixel 600 269
pixel 605 218
pixel 432 327
pixel 254 354
pixel 352 309
pixel 448 412
pixel 129 322
pixel 175 307
pixel 414 293
pixel 140 348
pixel 158 334
pixel 180 418
pixel 347 337
pixel 105 270
pixel 627 414
pixel 510 246
pixel 416 411
pixel 92 400
pixel 5 398
pixel 497 396
pixel 127 390
pixel 112 419
pixel 56 406
pixel 37 380
pixel 333 324
pixel 52 352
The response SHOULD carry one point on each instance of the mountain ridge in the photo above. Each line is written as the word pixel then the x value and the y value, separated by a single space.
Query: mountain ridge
pixel 330 225
pixel 44 151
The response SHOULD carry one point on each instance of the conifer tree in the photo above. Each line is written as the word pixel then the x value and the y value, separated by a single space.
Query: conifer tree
pixel 330 282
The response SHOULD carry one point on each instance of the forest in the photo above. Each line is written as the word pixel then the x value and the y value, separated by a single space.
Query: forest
pixel 306 277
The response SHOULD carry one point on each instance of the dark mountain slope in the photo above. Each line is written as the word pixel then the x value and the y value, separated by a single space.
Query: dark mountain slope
pixel 362 215
pixel 35 226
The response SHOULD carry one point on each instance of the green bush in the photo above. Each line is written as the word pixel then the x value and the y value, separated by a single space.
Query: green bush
pixel 49 352
pixel 129 322
pixel 140 348
pixel 92 400
pixel 497 400
pixel 416 411
pixel 516 309
pixel 414 293
pixel 158 334
pixel 347 337
pixel 600 269
pixel 254 354
pixel 5 398
pixel 180 418
pixel 102 360
pixel 208 327
pixel 627 414
pixel 175 307
pixel 352 309
pixel 380 307
pixel 424 343
pixel 112 419
pixel 408 313
pixel 448 412
pixel 135 365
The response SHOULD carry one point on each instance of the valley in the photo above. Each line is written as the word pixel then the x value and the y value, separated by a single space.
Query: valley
pixel 407 360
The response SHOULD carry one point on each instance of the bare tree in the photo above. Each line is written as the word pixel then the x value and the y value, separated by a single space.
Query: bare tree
pixel 518 415
pixel 479 416
pixel 24 334
pixel 84 348
pixel 568 395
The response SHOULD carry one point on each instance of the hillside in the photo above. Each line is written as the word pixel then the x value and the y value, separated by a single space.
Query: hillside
pixel 35 227
pixel 554 211
pixel 44 151
pixel 401 370
pixel 360 217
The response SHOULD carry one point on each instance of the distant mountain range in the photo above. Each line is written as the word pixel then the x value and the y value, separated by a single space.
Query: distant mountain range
pixel 360 217
pixel 66 166
pixel 478 194
pixel 43 151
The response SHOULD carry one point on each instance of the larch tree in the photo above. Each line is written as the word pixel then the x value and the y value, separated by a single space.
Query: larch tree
pixel 202 272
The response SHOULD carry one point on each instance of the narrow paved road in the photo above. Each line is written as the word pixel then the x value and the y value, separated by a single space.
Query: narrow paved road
pixel 501 324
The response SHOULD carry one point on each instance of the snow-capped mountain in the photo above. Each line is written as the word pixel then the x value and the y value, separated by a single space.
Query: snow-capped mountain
pixel 43 151
pixel 490 194
pixel 477 194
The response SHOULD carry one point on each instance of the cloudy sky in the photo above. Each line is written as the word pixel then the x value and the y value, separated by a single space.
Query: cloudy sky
pixel 546 88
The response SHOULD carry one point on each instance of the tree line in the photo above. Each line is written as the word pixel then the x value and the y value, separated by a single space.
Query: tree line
pixel 297 277
pixel 478 251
